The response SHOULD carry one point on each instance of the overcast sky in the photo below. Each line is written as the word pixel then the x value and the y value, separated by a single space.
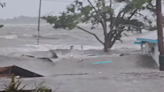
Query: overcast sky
pixel 16 8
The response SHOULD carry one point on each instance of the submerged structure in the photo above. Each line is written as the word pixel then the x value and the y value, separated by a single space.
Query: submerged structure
pixel 17 71
pixel 149 45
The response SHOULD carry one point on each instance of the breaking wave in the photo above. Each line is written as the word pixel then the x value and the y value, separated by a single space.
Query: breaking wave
pixel 9 36
pixel 63 51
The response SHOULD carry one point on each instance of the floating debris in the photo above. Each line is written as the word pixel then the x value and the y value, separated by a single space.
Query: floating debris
pixel 104 62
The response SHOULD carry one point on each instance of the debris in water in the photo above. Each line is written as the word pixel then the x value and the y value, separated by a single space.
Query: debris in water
pixel 104 62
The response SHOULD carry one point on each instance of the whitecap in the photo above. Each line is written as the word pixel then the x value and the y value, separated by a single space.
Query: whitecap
pixel 9 36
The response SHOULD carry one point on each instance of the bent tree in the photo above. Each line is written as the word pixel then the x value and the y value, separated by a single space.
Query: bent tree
pixel 102 12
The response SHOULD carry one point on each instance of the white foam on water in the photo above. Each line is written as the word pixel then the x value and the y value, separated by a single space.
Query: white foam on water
pixel 9 36
pixel 45 47
pixel 27 35
pixel 42 47
pixel 128 44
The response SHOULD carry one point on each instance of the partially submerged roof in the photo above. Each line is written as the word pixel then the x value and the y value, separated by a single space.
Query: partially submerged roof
pixel 17 71
pixel 150 37
pixel 39 66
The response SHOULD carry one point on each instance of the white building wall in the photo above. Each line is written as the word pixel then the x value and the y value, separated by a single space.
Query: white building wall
pixel 148 49
pixel 155 54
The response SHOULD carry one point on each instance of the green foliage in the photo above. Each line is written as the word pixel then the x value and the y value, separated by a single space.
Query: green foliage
pixel 1 26
pixel 153 28
pixel 78 13
pixel 64 21
pixel 14 86
pixel 2 5
pixel 41 88
pixel 100 12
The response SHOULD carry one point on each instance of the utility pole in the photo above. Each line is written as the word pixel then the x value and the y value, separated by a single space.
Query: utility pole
pixel 160 34
pixel 40 3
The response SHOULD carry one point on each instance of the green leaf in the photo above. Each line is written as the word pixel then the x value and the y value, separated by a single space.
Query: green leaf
pixel 1 26
pixel 97 12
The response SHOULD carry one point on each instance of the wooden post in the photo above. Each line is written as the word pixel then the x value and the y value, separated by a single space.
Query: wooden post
pixel 160 34
pixel 40 3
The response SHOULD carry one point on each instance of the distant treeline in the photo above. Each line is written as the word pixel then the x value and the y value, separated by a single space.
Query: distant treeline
pixel 21 20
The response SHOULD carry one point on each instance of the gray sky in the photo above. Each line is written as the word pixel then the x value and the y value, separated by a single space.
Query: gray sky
pixel 16 8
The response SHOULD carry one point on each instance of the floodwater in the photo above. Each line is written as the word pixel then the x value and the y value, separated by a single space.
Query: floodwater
pixel 23 38
pixel 130 73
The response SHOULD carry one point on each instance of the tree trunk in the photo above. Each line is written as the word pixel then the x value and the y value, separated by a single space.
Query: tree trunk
pixel 110 38
pixel 105 49
pixel 106 44
pixel 113 37
pixel 110 45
